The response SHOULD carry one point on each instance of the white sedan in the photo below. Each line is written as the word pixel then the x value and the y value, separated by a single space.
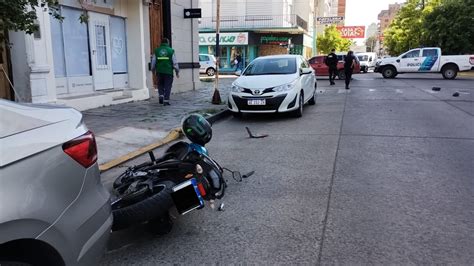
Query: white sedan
pixel 277 83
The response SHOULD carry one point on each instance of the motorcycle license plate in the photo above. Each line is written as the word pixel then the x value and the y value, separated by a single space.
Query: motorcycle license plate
pixel 256 102
pixel 186 196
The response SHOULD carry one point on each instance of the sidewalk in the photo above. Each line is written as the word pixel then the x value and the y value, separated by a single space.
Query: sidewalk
pixel 125 128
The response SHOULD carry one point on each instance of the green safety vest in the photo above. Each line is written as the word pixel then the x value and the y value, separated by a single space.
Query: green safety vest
pixel 164 59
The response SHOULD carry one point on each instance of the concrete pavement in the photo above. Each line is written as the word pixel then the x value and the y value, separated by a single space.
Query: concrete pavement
pixel 124 128
pixel 380 174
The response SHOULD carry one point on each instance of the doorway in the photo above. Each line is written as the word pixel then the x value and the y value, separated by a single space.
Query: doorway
pixel 99 32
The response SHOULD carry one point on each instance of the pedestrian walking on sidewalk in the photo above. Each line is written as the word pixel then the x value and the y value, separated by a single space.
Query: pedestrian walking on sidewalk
pixel 331 61
pixel 349 63
pixel 163 63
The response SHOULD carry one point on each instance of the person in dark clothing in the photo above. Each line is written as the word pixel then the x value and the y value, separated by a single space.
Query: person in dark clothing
pixel 163 63
pixel 349 62
pixel 331 61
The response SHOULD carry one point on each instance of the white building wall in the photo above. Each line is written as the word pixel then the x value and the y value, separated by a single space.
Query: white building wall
pixel 185 42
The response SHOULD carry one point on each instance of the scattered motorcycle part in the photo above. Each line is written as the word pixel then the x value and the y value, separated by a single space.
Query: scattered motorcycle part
pixel 247 175
pixel 235 174
pixel 255 136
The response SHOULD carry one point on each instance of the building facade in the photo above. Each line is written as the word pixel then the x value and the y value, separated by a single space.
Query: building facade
pixel 99 54
pixel 386 17
pixel 255 28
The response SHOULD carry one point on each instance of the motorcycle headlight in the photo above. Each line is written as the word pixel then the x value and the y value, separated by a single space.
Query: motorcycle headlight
pixel 285 87
pixel 236 88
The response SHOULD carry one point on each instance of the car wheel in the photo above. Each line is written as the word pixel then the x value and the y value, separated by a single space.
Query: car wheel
pixel 449 72
pixel 389 72
pixel 299 111
pixel 341 74
pixel 210 71
pixel 366 69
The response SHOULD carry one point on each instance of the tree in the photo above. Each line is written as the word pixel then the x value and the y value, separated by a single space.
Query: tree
pixel 331 39
pixel 454 36
pixel 407 29
pixel 20 15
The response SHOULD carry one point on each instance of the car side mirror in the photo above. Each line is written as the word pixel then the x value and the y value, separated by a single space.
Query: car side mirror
pixel 238 72
pixel 304 71
pixel 398 60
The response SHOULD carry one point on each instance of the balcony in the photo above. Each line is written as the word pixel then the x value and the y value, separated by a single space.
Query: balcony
pixel 255 22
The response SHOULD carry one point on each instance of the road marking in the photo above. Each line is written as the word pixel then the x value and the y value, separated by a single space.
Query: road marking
pixel 372 90
pixel 398 91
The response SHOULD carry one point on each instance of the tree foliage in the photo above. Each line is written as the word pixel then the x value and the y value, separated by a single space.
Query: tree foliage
pixel 450 26
pixel 443 23
pixel 20 15
pixel 331 39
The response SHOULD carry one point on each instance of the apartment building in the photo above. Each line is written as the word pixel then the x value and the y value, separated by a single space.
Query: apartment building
pixel 255 28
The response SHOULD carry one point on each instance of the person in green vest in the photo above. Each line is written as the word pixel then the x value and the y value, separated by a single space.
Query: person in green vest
pixel 163 62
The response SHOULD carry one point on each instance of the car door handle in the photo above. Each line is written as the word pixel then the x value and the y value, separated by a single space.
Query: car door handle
pixel 415 59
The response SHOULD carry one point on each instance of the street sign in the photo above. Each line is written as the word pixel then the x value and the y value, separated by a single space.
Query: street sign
pixel 329 20
pixel 352 32
pixel 192 13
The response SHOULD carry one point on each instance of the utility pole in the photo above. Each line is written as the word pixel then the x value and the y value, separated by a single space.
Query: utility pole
pixel 315 52
pixel 216 98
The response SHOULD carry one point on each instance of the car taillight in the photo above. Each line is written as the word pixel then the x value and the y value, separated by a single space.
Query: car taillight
pixel 82 149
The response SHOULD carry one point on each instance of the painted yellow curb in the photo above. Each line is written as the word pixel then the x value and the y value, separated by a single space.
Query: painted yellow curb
pixel 467 74
pixel 174 134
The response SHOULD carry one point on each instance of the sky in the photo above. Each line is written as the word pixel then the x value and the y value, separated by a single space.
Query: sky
pixel 364 12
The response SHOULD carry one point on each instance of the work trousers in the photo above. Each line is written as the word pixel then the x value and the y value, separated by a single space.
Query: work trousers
pixel 332 74
pixel 165 82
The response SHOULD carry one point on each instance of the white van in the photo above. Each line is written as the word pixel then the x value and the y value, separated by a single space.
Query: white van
pixel 367 61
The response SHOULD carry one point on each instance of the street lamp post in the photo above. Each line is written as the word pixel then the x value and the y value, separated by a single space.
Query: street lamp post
pixel 216 97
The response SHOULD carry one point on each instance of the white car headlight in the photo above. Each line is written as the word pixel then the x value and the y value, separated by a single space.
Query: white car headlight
pixel 285 87
pixel 236 88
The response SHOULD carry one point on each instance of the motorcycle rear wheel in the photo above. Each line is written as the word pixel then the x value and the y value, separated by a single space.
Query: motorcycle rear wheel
pixel 155 205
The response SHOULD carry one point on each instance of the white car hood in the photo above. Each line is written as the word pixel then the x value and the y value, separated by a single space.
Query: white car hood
pixel 389 60
pixel 264 81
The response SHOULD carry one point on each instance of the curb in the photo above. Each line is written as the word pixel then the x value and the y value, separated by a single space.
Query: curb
pixel 173 135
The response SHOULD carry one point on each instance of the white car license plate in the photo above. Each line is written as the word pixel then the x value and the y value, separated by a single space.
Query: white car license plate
pixel 256 102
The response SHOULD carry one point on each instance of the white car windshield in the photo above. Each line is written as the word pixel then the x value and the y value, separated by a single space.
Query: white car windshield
pixel 271 66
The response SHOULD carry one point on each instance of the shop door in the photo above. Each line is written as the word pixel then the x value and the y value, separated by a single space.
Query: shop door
pixel 156 27
pixel 99 36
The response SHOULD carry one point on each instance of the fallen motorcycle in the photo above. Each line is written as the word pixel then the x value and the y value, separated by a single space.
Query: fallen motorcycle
pixel 184 177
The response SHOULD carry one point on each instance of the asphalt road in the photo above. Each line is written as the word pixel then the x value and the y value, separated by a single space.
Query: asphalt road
pixel 383 173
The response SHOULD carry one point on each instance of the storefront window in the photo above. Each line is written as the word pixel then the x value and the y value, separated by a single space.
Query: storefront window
pixel 76 43
pixel 58 51
pixel 119 45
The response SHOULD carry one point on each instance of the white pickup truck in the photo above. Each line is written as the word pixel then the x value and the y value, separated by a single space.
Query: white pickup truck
pixel 425 60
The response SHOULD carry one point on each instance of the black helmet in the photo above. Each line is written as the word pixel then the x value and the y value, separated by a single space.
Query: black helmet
pixel 197 129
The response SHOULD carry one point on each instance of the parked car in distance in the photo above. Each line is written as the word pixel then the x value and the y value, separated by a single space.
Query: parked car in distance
pixel 425 60
pixel 207 64
pixel 274 84
pixel 317 63
pixel 367 61
pixel 53 207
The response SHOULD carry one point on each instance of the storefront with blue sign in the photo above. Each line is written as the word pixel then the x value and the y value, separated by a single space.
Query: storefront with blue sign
pixel 249 45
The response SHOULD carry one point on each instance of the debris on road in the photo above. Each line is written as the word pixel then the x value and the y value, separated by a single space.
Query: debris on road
pixel 255 136
pixel 436 88
pixel 456 94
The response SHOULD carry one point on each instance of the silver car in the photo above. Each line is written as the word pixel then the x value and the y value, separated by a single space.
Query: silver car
pixel 53 207
pixel 207 64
